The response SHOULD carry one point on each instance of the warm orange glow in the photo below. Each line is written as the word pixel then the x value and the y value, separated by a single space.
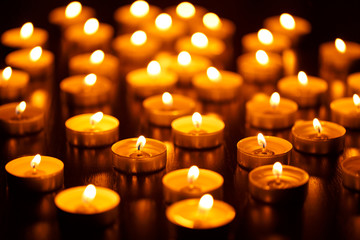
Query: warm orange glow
pixel 6 73
pixel 213 74
pixel 97 57
pixel 185 10
pixel 199 40
pixel 89 194
pixel 262 57
pixel 96 118
pixel 193 174
pixel 277 169
pixel 138 38
pixel 90 79
pixel 163 21
pixel 212 21
pixel 184 58
pixel 139 8
pixel 167 99
pixel 35 161
pixel 73 9
pixel 287 21
pixel 275 100
pixel 261 140
pixel 356 100
pixel 265 36
pixel 26 30
pixel 35 54
pixel 302 78
pixel 140 143
pixel 154 68
pixel 205 204
pixel 20 108
pixel 317 125
pixel 91 26
pixel 340 45
pixel 197 120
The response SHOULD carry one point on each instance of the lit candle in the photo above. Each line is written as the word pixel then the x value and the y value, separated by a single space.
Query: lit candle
pixel 350 168
pixel 346 111
pixel 12 83
pixel 353 83
pixel 35 173
pixel 277 183
pixel 271 113
pixel 203 213
pixel 191 183
pixel 162 109
pixel 139 155
pixel 88 205
pixel 306 91
pixel 198 131
pixel 25 37
pixel 187 13
pixel 318 137
pixel 92 130
pixel 257 151
pixel 217 86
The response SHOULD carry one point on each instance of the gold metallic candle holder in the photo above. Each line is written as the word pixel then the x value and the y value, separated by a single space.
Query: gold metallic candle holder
pixel 345 113
pixel 15 86
pixel 292 185
pixel 250 155
pixel 127 158
pixel 351 168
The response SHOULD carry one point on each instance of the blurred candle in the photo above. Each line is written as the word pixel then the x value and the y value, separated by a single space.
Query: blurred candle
pixel 13 83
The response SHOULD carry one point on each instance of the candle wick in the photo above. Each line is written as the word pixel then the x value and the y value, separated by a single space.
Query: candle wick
pixel 263 150
pixel 278 181
pixel 34 169
pixel 318 132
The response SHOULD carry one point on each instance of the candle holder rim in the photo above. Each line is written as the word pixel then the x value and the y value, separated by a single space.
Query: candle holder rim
pixel 89 132
pixel 288 145
pixel 346 170
pixel 300 123
pixel 203 117
pixel 148 140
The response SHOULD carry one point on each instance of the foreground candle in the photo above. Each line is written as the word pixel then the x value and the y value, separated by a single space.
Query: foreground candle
pixel 350 168
pixel 88 205
pixel 92 130
pixel 346 111
pixel 198 131
pixel 12 83
pixel 203 213
pixel 318 137
pixel 277 183
pixel 253 152
pixel 191 183
pixel 21 118
pixel 138 155
pixel 35 173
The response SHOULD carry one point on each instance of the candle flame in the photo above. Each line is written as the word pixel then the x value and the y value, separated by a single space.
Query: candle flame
pixel 340 45
pixel 95 118
pixel 213 74
pixel 199 40
pixel 35 54
pixel 6 73
pixel 20 108
pixel 197 120
pixel 277 169
pixel 90 79
pixel 205 204
pixel 265 36
pixel 184 58
pixel 163 21
pixel 261 140
pixel 154 68
pixel 302 78
pixel 26 30
pixel 140 143
pixel 73 9
pixel 287 21
pixel 193 174
pixel 212 21
pixel 138 38
pixel 317 125
pixel 185 10
pixel 356 100
pixel 275 100
pixel 167 99
pixel 262 57
pixel 89 194
pixel 97 57
pixel 91 26
pixel 35 161
pixel 139 8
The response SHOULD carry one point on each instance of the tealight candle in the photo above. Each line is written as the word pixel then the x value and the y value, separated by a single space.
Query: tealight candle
pixel 139 155
pixel 37 62
pixel 85 91
pixel 306 91
pixel 88 205
pixel 73 13
pixel 346 111
pixel 186 12
pixel 162 109
pixel 12 83
pixel 191 183
pixel 145 82
pixel 198 131
pixel 253 152
pixel 318 137
pixel 260 67
pixel 350 168
pixel 25 37
pixel 92 130
pixel 353 83
pixel 277 183
pixel 35 173
pixel 215 85
pixel 203 213
pixel 288 25
pixel 271 113
pixel 21 118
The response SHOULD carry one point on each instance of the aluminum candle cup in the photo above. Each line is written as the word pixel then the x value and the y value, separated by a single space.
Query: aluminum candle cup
pixel 81 132
pixel 127 158
pixel 250 155
pixel 47 176
pixel 306 139
pixel 100 211
pixel 162 114
pixel 350 168
pixel 251 43
pixel 345 113
pixel 58 17
pixel 14 86
pixel 292 185
pixel 12 38
pixel 27 122
pixel 177 187
pixel 209 134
